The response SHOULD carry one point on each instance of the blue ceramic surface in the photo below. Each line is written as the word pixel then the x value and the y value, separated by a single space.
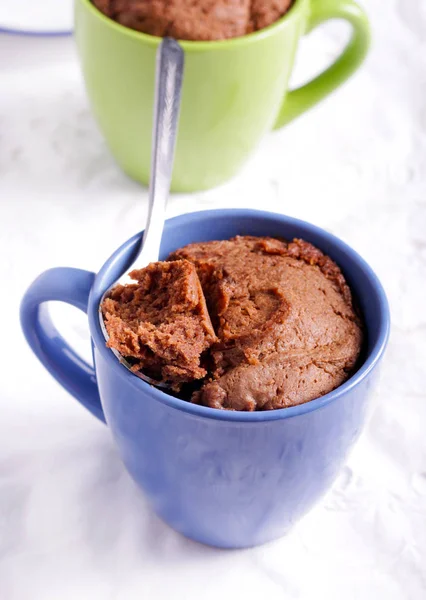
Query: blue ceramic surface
pixel 227 479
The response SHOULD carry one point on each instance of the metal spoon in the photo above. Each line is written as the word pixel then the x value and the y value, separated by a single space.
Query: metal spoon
pixel 168 86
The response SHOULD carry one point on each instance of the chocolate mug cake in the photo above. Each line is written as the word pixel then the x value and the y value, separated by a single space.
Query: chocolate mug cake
pixel 277 327
pixel 195 20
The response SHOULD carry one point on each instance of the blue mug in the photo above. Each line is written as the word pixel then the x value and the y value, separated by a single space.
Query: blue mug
pixel 227 479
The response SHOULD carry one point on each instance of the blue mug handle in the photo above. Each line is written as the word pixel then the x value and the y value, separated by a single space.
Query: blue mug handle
pixel 67 367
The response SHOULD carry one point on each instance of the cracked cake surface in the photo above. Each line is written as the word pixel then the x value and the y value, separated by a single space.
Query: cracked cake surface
pixel 284 318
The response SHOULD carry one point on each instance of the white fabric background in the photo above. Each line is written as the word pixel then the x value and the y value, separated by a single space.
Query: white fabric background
pixel 48 16
pixel 72 523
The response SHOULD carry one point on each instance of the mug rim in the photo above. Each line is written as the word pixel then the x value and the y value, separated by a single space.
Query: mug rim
pixel 101 283
pixel 200 45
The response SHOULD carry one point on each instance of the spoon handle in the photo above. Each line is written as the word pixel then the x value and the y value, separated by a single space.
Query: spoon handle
pixel 168 86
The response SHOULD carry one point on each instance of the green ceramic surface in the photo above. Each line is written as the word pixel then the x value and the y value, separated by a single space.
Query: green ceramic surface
pixel 234 91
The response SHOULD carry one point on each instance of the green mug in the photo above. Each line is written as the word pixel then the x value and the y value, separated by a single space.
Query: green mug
pixel 234 90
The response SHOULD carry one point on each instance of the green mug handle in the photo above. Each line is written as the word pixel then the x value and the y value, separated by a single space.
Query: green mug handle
pixel 303 98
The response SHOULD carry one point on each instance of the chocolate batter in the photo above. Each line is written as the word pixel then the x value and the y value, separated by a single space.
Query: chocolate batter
pixel 195 19
pixel 286 331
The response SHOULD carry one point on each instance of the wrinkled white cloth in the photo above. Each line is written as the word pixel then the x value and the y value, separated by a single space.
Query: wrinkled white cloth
pixel 72 523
